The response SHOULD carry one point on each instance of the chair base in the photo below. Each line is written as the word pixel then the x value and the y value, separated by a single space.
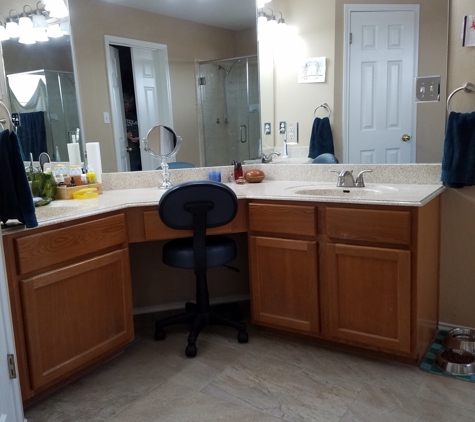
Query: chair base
pixel 198 320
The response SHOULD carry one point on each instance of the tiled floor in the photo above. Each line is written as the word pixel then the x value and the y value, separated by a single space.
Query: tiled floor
pixel 269 379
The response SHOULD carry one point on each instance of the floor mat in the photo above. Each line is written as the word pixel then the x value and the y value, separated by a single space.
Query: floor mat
pixel 428 363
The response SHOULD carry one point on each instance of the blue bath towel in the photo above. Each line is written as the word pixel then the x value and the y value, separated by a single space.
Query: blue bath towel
pixel 321 139
pixel 16 201
pixel 458 161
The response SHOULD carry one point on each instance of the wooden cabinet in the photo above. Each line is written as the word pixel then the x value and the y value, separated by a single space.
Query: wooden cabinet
pixel 284 281
pixel 71 298
pixel 362 275
pixel 369 291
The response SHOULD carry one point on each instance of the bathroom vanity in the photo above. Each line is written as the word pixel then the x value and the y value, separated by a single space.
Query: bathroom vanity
pixel 360 272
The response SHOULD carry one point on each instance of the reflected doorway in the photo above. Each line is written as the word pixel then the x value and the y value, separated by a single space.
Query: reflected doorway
pixel 145 73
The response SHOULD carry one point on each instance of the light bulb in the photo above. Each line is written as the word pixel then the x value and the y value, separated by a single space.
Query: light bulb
pixel 12 29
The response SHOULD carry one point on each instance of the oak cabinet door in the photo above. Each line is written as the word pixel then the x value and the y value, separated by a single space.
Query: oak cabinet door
pixel 369 294
pixel 76 314
pixel 284 284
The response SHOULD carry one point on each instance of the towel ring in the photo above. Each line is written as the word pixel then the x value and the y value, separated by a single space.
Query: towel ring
pixel 468 87
pixel 10 121
pixel 325 106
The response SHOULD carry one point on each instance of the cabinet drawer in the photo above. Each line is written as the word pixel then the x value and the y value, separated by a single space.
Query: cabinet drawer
pixel 284 219
pixel 369 225
pixel 42 250
pixel 155 229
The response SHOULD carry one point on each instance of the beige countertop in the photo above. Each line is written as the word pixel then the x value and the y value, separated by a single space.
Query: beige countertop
pixel 422 186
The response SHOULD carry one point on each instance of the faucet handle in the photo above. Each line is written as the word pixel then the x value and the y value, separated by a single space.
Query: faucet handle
pixel 359 179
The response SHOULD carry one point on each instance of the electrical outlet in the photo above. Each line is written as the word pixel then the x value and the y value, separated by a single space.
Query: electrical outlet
pixel 292 132
pixel 267 128
pixel 16 119
pixel 282 128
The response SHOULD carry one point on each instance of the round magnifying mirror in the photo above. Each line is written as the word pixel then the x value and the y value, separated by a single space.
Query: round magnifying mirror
pixel 162 142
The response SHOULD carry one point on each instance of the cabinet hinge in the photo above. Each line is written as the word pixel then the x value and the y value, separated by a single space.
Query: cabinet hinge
pixel 351 38
pixel 11 366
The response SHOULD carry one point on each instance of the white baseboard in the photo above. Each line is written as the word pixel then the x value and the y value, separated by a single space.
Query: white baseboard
pixel 447 327
pixel 179 305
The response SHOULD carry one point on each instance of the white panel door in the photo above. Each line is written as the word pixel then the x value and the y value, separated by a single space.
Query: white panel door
pixel 11 409
pixel 381 85
pixel 152 95
pixel 117 102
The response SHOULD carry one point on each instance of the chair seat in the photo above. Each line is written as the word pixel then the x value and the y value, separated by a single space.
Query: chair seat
pixel 178 253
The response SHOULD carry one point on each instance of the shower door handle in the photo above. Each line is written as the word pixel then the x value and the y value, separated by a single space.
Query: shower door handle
pixel 243 130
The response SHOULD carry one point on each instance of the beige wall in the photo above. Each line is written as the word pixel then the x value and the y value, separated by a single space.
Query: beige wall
pixel 457 291
pixel 186 41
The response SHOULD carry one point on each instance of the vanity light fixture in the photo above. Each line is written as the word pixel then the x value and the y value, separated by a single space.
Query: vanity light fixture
pixel 26 27
pixel 3 32
pixel 12 28
pixel 56 8
pixel 39 25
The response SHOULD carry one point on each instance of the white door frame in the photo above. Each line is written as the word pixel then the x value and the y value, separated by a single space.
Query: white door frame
pixel 348 9
pixel 163 69
pixel 11 408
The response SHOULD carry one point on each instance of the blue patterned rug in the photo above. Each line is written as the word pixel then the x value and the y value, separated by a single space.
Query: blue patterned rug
pixel 428 363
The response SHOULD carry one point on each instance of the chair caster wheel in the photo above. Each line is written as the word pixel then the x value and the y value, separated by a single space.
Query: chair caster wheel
pixel 243 337
pixel 190 351
pixel 159 335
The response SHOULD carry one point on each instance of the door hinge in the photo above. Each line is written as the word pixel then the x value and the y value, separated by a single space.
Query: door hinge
pixel 351 38
pixel 202 80
pixel 11 366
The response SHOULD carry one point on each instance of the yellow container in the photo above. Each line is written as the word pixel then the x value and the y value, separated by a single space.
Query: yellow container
pixel 86 193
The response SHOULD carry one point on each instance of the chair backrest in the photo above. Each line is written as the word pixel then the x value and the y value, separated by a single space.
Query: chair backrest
pixel 326 158
pixel 177 205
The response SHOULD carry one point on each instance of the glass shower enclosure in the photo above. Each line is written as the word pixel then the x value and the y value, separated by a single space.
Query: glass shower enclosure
pixel 47 104
pixel 230 112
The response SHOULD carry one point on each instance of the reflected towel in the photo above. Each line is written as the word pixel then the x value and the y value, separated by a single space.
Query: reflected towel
pixel 458 161
pixel 16 201
pixel 321 139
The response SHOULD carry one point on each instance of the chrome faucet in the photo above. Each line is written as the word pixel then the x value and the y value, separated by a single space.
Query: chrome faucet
pixel 268 158
pixel 346 179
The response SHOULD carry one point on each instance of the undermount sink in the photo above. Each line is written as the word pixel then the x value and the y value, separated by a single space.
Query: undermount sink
pixel 344 192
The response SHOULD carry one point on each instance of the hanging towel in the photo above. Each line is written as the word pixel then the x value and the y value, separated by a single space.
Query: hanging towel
pixel 458 161
pixel 32 134
pixel 321 139
pixel 16 201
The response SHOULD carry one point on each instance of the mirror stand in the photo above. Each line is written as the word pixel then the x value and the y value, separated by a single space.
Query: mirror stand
pixel 162 142
pixel 166 184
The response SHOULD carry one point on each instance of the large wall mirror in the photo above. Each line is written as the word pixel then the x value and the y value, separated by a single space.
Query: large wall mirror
pixel 319 31
pixel 320 28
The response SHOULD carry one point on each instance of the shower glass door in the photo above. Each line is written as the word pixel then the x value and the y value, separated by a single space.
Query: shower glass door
pixel 229 98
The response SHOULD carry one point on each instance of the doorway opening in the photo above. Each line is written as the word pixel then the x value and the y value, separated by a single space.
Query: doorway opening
pixel 137 70
pixel 380 66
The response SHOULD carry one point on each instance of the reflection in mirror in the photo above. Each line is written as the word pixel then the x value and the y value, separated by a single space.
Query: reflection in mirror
pixel 318 30
pixel 162 143
pixel 41 87
pixel 188 43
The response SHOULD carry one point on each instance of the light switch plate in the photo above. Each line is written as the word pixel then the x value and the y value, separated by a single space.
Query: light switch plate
pixel 427 88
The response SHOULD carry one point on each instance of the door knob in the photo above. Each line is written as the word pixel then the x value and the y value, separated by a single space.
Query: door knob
pixel 406 137
pixel 128 149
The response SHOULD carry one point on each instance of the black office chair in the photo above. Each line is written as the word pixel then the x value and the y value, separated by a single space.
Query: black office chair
pixel 326 158
pixel 198 205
